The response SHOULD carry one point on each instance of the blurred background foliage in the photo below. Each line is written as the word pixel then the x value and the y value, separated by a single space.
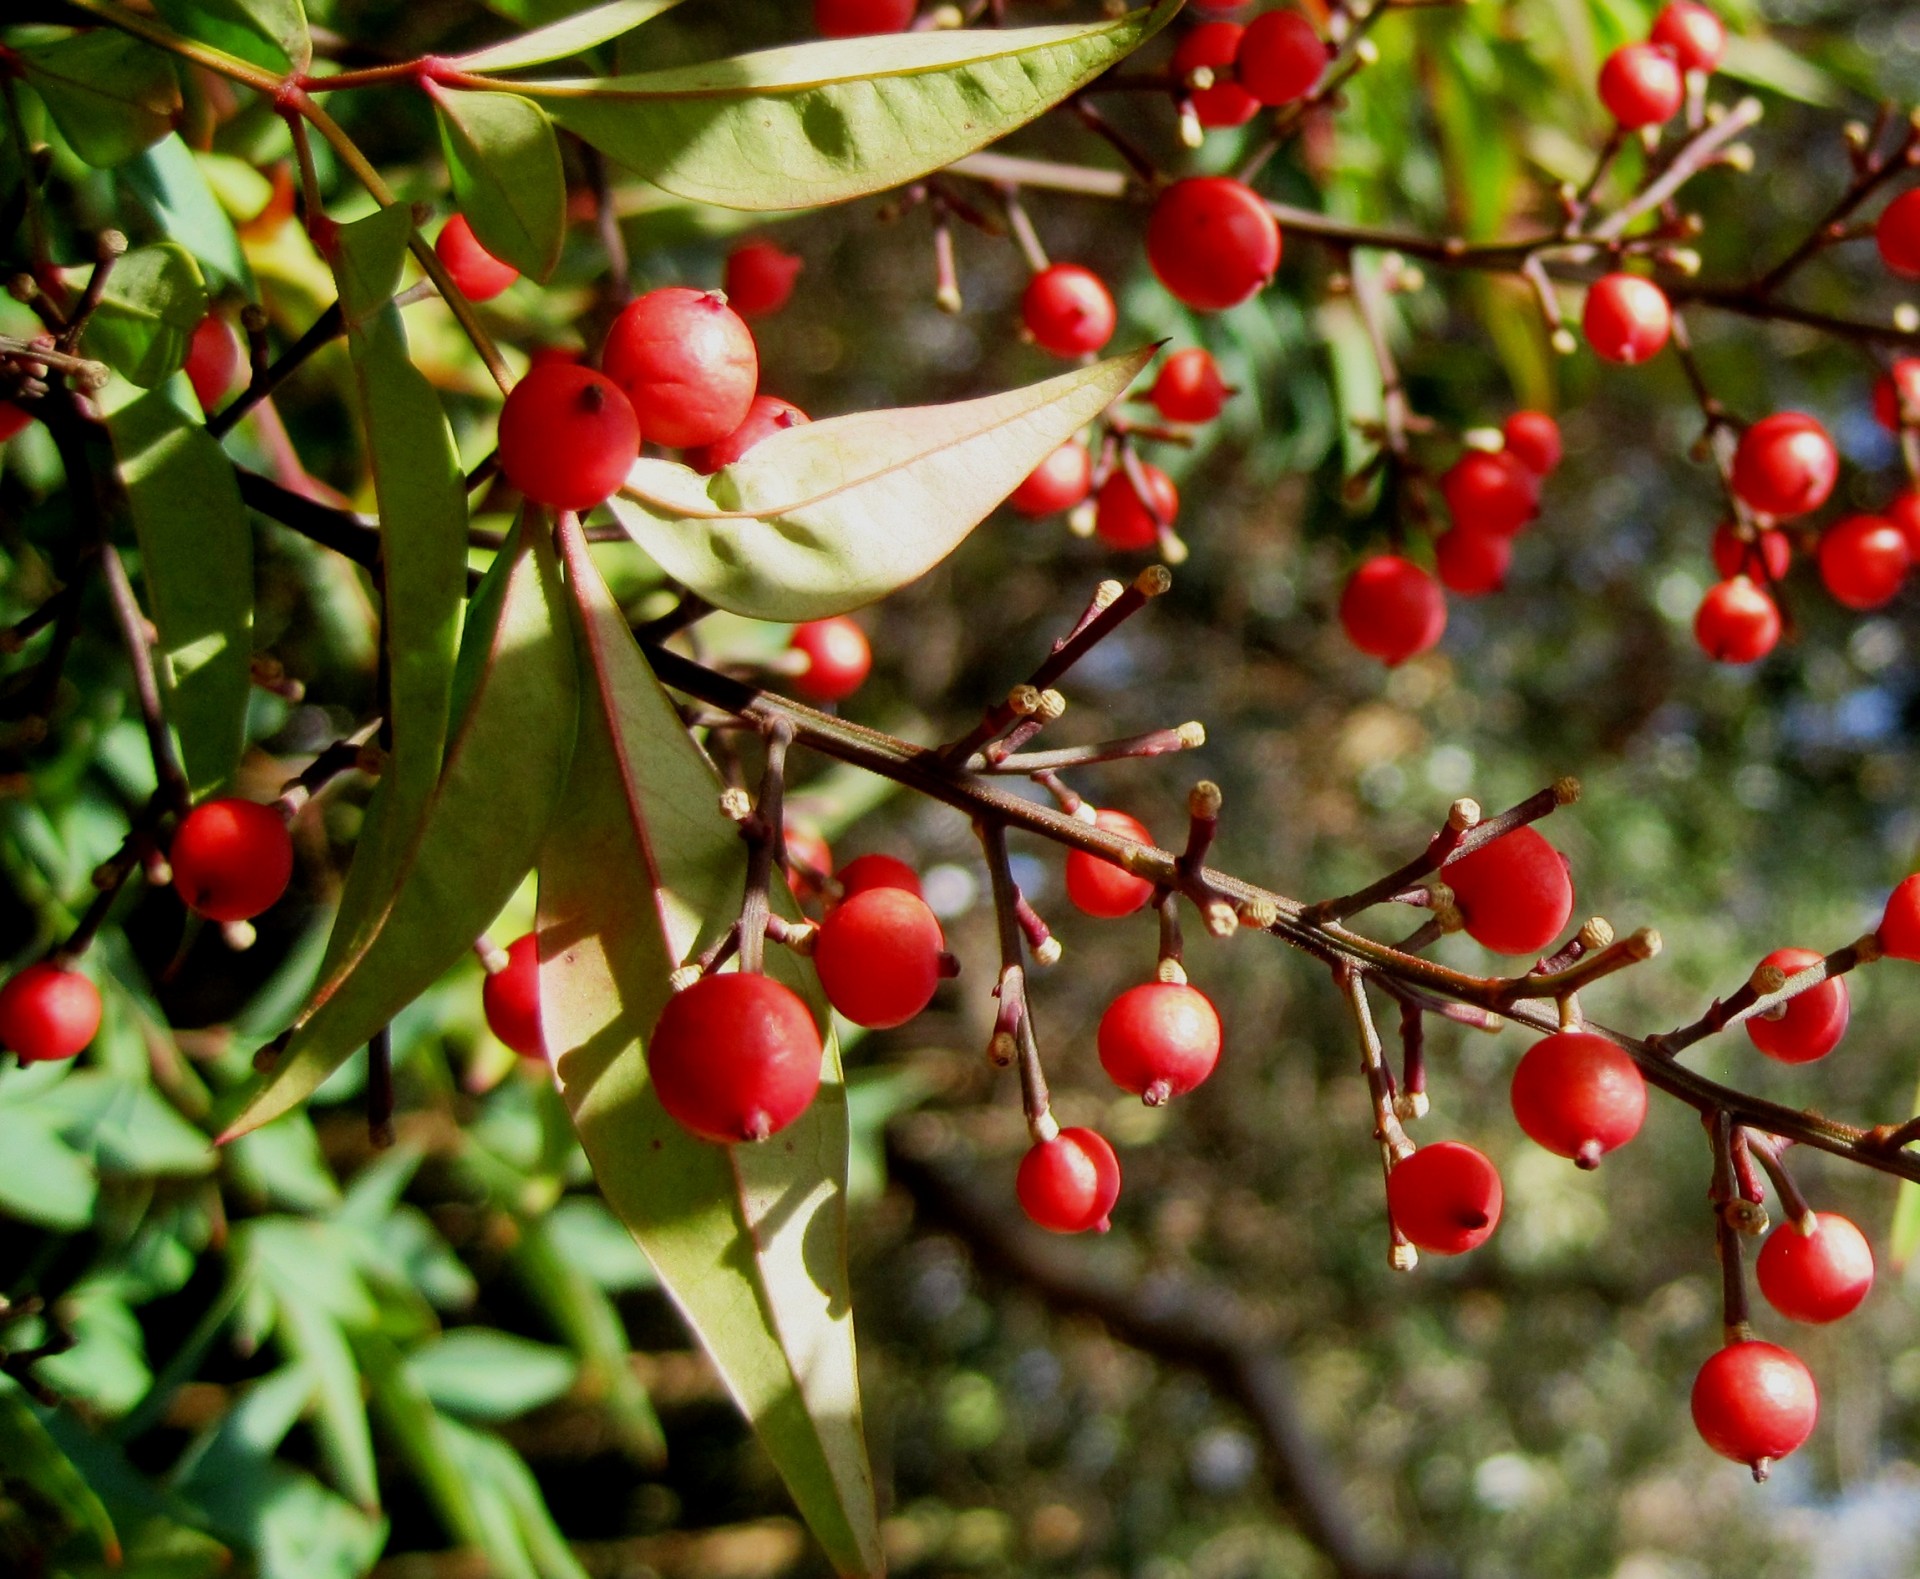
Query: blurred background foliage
pixel 450 1360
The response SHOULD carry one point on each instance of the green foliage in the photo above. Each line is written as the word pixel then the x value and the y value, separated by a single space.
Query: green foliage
pixel 270 33
pixel 109 94
pixel 505 164
pixel 153 301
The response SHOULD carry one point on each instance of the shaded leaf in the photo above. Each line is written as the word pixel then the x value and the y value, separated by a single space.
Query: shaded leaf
pixel 126 1128
pixel 312 1339
pixel 507 180
pixel 42 1179
pixel 171 186
pixel 569 36
pixel 512 1490
pixel 29 1456
pixel 489 1375
pixel 154 300
pixel 109 94
pixel 270 33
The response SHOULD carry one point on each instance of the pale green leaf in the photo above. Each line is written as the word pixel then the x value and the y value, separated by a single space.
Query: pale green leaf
pixel 154 300
pixel 507 180
pixel 174 189
pixel 488 1375
pixel 569 36
pixel 42 1178
pixel 109 94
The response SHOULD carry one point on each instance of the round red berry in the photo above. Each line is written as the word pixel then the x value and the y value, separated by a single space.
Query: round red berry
pixel 511 999
pixel 477 272
pixel 1281 57
pixel 1514 892
pixel 568 436
pixel 1212 242
pixel 1069 1184
pixel 1898 234
pixel 1904 512
pixel 1899 931
pixel 878 955
pixel 1226 103
pixel 1896 389
pixel 1863 560
pixel 1491 492
pixel 1754 1402
pixel 1058 483
pixel 1640 85
pixel 838 658
pixel 1099 887
pixel 1445 1197
pixel 1472 563
pixel 768 415
pixel 855 18
pixel 214 361
pixel 687 362
pixel 1737 621
pixel 1808 1026
pixel 1693 33
pixel 1068 310
pixel 1533 439
pixel 231 859
pixel 1189 387
pixel 1159 1040
pixel 48 1013
pixel 760 278
pixel 1767 556
pixel 809 860
pixel 1391 609
pixel 1816 1277
pixel 1121 517
pixel 1626 319
pixel 1785 465
pixel 1579 1096
pixel 735 1057
pixel 865 872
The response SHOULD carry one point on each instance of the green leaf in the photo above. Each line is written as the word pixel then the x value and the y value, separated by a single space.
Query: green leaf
pixel 154 300
pixel 569 36
pixel 172 187
pixel 511 1489
pixel 107 1365
pixel 28 1456
pixel 270 33
pixel 822 123
pixel 42 1179
pixel 749 1240
pixel 315 1341
pixel 589 1238
pixel 507 180
pixel 109 94
pixel 196 555
pixel 1769 63
pixel 127 1128
pixel 488 1375
pixel 831 515
pixel 476 839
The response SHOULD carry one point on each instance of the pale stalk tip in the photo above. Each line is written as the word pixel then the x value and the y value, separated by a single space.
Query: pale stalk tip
pixel 1191 735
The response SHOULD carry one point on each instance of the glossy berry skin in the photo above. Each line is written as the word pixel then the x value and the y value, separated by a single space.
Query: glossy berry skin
pixel 1159 1040
pixel 768 415
pixel 1898 235
pixel 1069 1184
pixel 1068 310
pixel 1472 563
pixel 1785 465
pixel 1899 930
pixel 687 362
pixel 856 18
pixel 1892 390
pixel 878 955
pixel 1533 439
pixel 511 998
pixel 47 1013
pixel 809 860
pixel 1626 319
pixel 1816 1277
pixel 231 859
pixel 865 872
pixel 1058 483
pixel 1281 57
pixel 838 658
pixel 760 278
pixel 1904 511
pixel 1809 1026
pixel 1226 103
pixel 1694 35
pixel 568 436
pixel 1772 553
pixel 1863 560
pixel 1392 610
pixel 1640 84
pixel 1121 517
pixel 1189 387
pixel 735 1057
pixel 479 274
pixel 1211 242
pixel 1513 892
pixel 1737 621
pixel 1100 888
pixel 1446 1197
pixel 214 361
pixel 1490 492
pixel 1754 1402
pixel 1579 1096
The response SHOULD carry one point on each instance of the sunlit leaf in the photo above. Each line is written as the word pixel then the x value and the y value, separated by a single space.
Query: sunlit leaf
pixel 174 189
pixel 109 94
pixel 507 180
pixel 154 300
pixel 569 36
pixel 488 1375
pixel 270 33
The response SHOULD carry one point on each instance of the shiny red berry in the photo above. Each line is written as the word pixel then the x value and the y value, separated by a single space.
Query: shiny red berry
pixel 809 860
pixel 1472 563
pixel 1816 1277
pixel 865 872
pixel 1754 1402
pixel 1514 892
pixel 855 18
pixel 1189 387
pixel 838 658
pixel 1579 1096
pixel 1808 1026
pixel 1904 512
pixel 511 999
pixel 1491 492
pixel 1226 103
pixel 1899 931
pixel 1069 1184
pixel 1096 885
pixel 878 955
pixel 1391 609
pixel 735 1057
pixel 768 415
pixel 1640 85
pixel 231 859
pixel 477 272
pixel 1068 310
pixel 1121 517
pixel 1626 319
pixel 1737 621
pixel 1446 1197
pixel 1896 389
pixel 214 361
pixel 687 362
pixel 1212 242
pixel 1863 560
pixel 1693 33
pixel 1768 555
pixel 568 436
pixel 1533 439
pixel 1281 57
pixel 760 278
pixel 1058 483
pixel 1159 1040
pixel 1898 235
pixel 48 1013
pixel 1785 465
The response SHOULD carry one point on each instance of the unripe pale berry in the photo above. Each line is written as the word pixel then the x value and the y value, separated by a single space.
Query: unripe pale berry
pixel 1579 1096
pixel 1058 483
pixel 1281 57
pixel 1069 1184
pixel 768 415
pixel 760 278
pixel 1808 1026
pixel 48 1013
pixel 231 859
pixel 511 999
pixel 1737 621
pixel 1640 85
pixel 1213 44
pixel 1068 310
pixel 1904 512
pixel 1626 319
pixel 1754 1402
pixel 1898 234
pixel 1472 563
pixel 1785 465
pixel 838 658
pixel 878 955
pixel 1863 560
pixel 1816 1277
pixel 1189 387
pixel 1514 892
pixel 1894 389
pixel 735 1057
pixel 1096 885
pixel 1391 609
pixel 864 872
pixel 1445 1198
pixel 1899 932
pixel 1693 33
pixel 1212 242
pixel 214 361
pixel 477 272
pixel 1770 553
pixel 1121 517
pixel 856 18
pixel 1490 492
pixel 687 362
pixel 1159 1040
pixel 1533 439
pixel 568 436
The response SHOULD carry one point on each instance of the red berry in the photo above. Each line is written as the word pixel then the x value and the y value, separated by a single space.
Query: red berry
pixel 1863 560
pixel 1895 389
pixel 1069 1184
pixel 878 955
pixel 1806 1027
pixel 1693 33
pixel 568 436
pixel 478 273
pixel 1472 563
pixel 1391 609
pixel 735 1057
pixel 1159 1040
pixel 1513 892
pixel 1785 465
pixel 838 658
pixel 1491 492
pixel 1754 1402
pixel 1445 1197
pixel 1899 931
pixel 1898 234
pixel 214 361
pixel 1579 1096
pixel 760 278
pixel 1904 512
pixel 511 998
pixel 1212 242
pixel 1226 103
pixel 853 18
pixel 1640 85
pixel 1737 622
pixel 1121 517
pixel 1533 439
pixel 1099 887
pixel 1770 553
pixel 13 419
pixel 768 415
pixel 687 362
pixel 866 872
pixel 1281 57
pixel 1058 483
pixel 809 860
pixel 48 1013
pixel 1626 319
pixel 1189 388
pixel 1816 1277
pixel 231 859
pixel 1068 310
